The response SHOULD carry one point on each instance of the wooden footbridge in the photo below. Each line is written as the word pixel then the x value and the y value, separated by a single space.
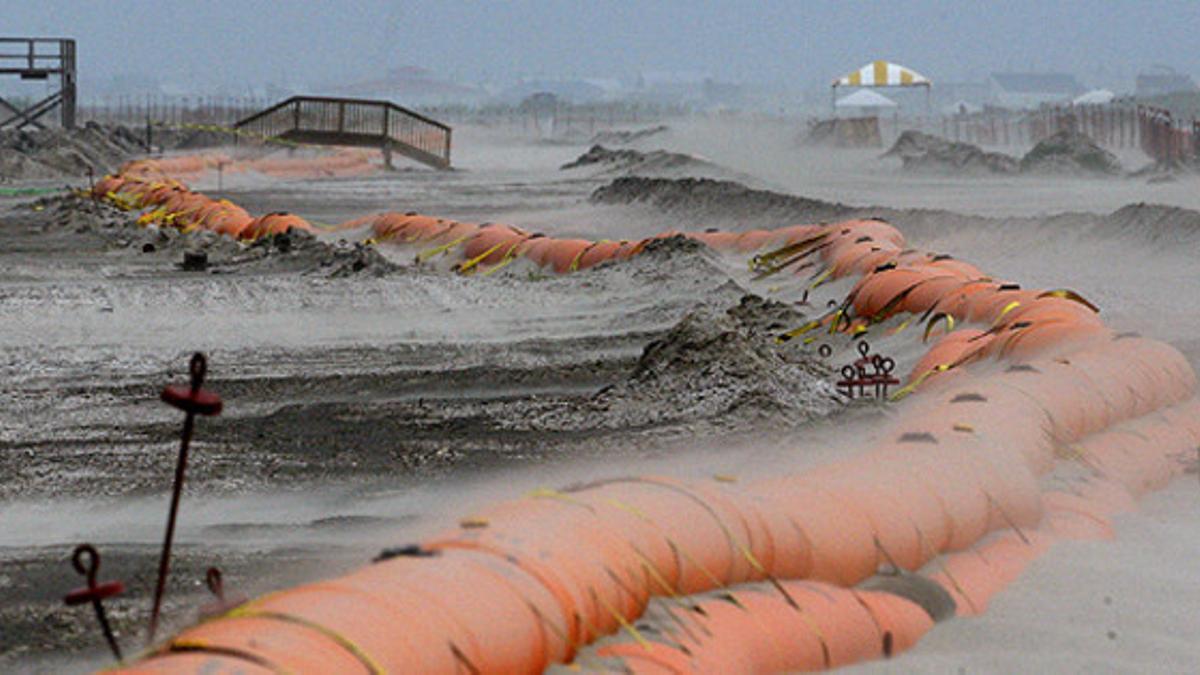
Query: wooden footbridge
pixel 354 122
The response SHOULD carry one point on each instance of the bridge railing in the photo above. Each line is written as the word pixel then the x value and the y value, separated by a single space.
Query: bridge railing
pixel 419 131
pixel 270 123
pixel 354 121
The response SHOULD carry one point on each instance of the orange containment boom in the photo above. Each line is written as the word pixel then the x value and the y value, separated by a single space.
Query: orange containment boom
pixel 144 184
pixel 659 575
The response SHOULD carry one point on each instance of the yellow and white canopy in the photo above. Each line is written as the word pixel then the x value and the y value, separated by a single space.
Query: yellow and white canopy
pixel 883 74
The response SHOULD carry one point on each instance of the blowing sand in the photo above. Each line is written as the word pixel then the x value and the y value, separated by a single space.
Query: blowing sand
pixel 367 409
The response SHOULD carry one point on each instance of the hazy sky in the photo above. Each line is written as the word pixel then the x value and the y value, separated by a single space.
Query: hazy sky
pixel 240 42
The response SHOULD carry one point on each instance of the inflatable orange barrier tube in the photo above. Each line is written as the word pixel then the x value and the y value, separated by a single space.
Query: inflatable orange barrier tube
pixel 143 182
pixel 952 489
pixel 971 578
pixel 274 223
pixel 595 577
pixel 600 252
pixel 798 626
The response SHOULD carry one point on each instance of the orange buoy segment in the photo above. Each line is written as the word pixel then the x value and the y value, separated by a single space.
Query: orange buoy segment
pixel 954 486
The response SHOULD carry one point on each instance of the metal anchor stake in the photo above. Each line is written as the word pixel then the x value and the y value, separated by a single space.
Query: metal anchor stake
pixel 93 592
pixel 192 400
pixel 856 375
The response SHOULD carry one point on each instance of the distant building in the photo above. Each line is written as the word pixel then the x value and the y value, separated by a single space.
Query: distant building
pixel 954 94
pixel 1030 90
pixel 1163 81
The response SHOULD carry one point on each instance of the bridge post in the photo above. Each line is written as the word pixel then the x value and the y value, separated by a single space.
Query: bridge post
pixel 386 135
pixel 66 51
pixel 30 64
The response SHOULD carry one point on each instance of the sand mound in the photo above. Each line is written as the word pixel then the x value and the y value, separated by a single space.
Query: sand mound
pixel 715 200
pixel 721 367
pixel 44 154
pixel 670 258
pixel 929 154
pixel 634 162
pixel 713 364
pixel 1071 153
pixel 1064 153
pixel 627 137
pixel 678 268
pixel 300 251
pixel 1154 224
pixel 60 153
pixel 667 247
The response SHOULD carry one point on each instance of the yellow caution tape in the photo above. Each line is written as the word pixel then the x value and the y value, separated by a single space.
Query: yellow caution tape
pixel 466 267
pixel 933 321
pixel 1068 294
pixel 444 248
pixel 912 386
pixel 1007 308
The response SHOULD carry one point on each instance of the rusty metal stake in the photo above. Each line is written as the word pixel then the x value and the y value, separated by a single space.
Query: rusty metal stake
pixel 857 375
pixel 194 401
pixel 93 592
pixel 222 602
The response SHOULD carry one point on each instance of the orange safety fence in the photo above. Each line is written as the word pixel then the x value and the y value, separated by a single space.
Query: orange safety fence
pixel 757 576
pixel 343 163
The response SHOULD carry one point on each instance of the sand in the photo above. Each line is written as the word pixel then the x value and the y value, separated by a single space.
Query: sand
pixel 363 411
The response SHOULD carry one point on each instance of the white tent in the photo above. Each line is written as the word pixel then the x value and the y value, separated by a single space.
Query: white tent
pixel 1095 97
pixel 865 98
